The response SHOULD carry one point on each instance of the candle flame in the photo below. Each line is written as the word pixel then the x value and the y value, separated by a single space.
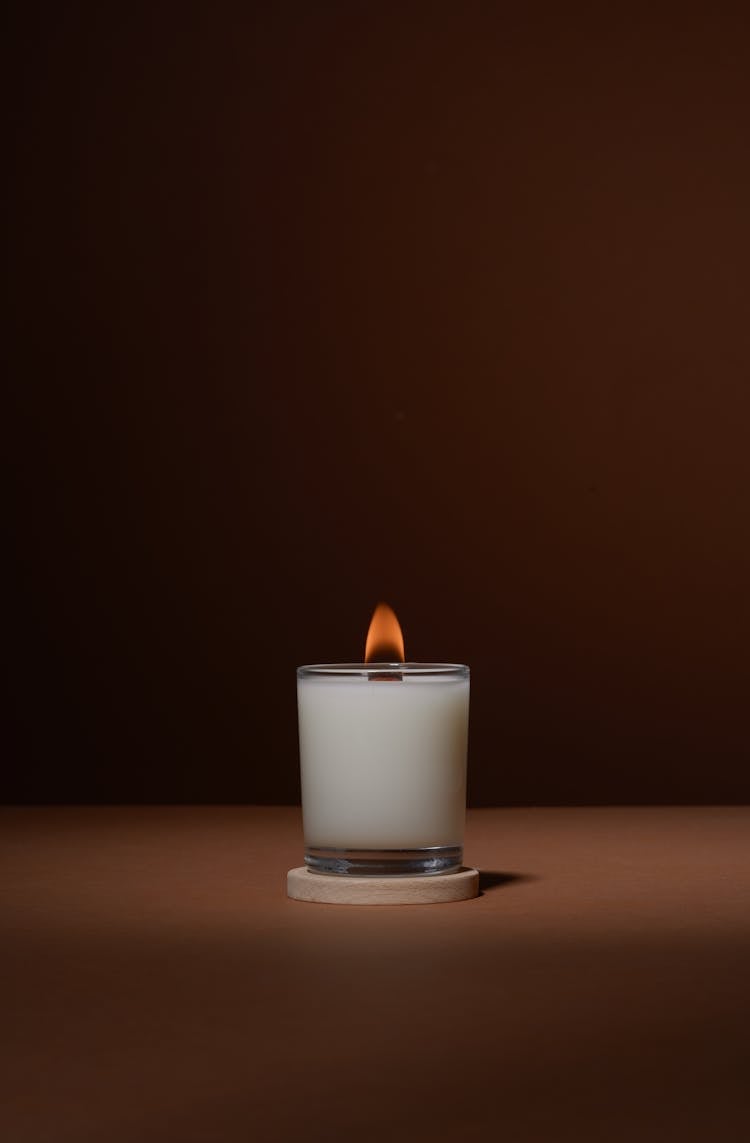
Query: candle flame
pixel 385 643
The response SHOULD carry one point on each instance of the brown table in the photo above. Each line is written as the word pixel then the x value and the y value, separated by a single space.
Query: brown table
pixel 158 985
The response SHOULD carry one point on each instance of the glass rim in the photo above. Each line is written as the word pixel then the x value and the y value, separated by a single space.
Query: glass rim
pixel 370 670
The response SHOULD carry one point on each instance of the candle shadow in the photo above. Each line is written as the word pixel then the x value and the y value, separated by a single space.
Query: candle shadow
pixel 493 879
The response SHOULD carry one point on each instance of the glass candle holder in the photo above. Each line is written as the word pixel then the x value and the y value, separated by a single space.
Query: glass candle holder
pixel 383 766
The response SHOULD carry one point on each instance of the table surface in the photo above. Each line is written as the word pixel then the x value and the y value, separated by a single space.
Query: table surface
pixel 159 985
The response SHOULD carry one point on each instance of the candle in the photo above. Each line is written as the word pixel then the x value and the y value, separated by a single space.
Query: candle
pixel 383 760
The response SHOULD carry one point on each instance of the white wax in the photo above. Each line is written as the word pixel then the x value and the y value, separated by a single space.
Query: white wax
pixel 383 762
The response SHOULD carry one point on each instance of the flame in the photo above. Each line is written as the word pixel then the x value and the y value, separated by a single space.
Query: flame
pixel 385 643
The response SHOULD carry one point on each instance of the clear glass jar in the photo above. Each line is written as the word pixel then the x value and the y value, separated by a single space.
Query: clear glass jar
pixel 383 766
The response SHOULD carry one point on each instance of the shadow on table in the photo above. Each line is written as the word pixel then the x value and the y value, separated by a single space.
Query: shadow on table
pixel 494 879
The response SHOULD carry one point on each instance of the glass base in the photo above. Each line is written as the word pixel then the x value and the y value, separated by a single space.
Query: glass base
pixel 384 862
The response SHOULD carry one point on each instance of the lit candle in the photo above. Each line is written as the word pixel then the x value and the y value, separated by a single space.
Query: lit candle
pixel 383 760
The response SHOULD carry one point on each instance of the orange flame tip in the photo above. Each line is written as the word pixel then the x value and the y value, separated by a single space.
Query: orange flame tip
pixel 385 642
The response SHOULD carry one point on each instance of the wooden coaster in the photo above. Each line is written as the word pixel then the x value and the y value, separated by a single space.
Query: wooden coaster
pixel 303 885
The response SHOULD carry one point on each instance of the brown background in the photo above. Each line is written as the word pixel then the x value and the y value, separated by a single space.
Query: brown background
pixel 319 304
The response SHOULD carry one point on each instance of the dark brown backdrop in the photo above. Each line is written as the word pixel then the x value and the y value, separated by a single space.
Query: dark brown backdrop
pixel 319 304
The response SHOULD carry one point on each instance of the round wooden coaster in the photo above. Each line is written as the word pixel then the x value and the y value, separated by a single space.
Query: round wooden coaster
pixel 302 885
